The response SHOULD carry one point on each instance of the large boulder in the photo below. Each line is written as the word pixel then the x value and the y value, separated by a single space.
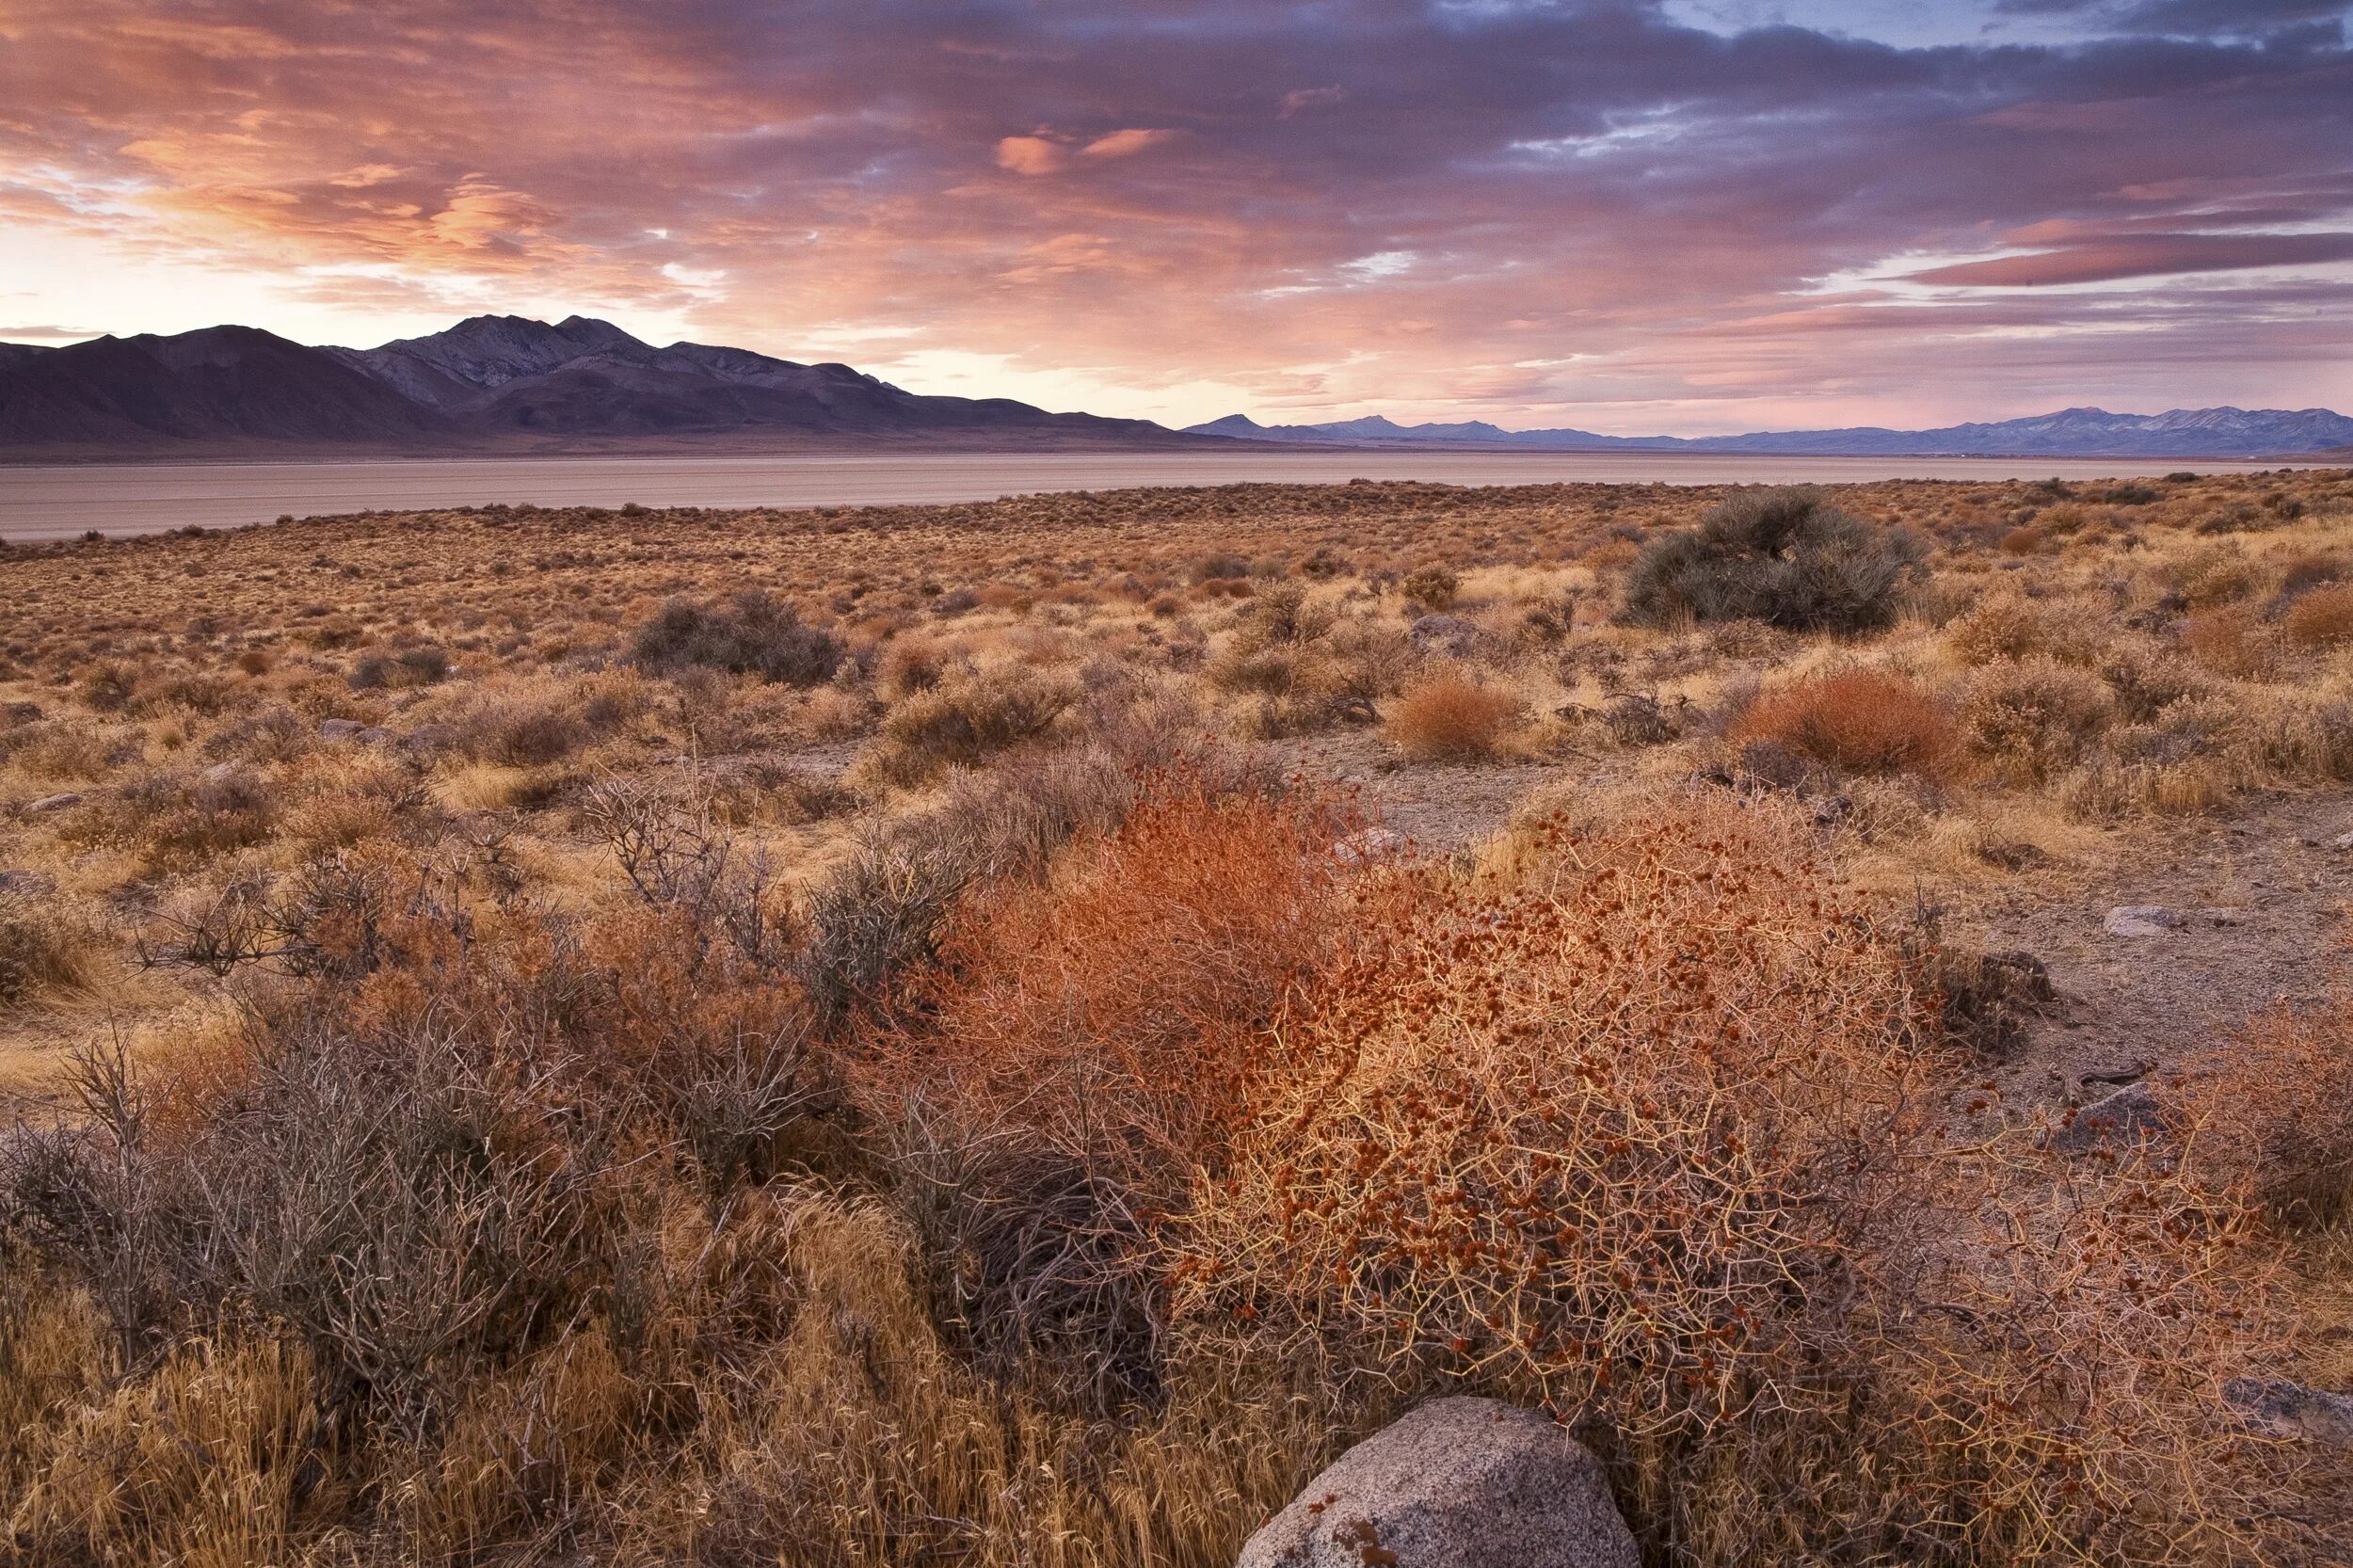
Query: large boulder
pixel 1458 1484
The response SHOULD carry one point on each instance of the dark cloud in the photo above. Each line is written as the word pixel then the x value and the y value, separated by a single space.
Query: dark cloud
pixel 1520 204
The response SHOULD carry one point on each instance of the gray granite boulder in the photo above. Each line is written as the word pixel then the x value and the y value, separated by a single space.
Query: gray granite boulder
pixel 1457 1483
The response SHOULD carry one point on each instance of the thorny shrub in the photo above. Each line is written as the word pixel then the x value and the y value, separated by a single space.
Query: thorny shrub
pixel 1647 1139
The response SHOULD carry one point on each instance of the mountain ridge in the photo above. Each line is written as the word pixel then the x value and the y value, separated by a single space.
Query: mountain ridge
pixel 2077 432
pixel 487 385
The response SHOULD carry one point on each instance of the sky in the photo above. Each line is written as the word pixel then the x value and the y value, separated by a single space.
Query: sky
pixel 1685 217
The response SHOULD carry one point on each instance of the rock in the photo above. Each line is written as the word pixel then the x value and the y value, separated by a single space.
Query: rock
pixel 1456 1483
pixel 2141 920
pixel 2342 841
pixel 55 803
pixel 2119 1118
pixel 1372 844
pixel 340 729
pixel 372 736
pixel 1449 634
pixel 2278 1407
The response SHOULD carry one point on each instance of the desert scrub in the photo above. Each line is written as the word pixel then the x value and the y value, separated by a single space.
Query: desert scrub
pixel 1449 718
pixel 1784 556
pixel 41 948
pixel 2027 718
pixel 2321 617
pixel 1860 720
pixel 2010 625
pixel 1680 1033
pixel 752 633
pixel 965 720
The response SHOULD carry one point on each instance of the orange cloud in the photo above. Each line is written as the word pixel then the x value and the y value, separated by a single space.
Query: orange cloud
pixel 1030 154
pixel 1126 144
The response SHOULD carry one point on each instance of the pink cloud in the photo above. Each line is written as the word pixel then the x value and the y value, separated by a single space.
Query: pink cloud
pixel 1031 155
pixel 1126 144
pixel 2142 256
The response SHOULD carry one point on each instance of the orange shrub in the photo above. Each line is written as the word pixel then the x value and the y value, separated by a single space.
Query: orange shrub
pixel 1864 721
pixel 1447 718
pixel 2322 618
pixel 1112 1016
pixel 2231 642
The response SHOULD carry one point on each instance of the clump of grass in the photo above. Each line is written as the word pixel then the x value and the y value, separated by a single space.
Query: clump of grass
pixel 1861 721
pixel 1449 718
pixel 1784 556
pixel 41 949
pixel 966 720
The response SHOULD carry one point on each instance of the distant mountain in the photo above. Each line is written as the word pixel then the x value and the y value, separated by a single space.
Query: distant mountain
pixel 2070 433
pixel 487 384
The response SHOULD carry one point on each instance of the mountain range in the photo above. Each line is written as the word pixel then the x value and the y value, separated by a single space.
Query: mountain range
pixel 507 384
pixel 488 384
pixel 2069 433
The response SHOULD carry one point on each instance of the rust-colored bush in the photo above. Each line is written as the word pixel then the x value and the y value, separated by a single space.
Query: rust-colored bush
pixel 1115 1015
pixel 2321 618
pixel 1449 719
pixel 2231 641
pixel 1864 720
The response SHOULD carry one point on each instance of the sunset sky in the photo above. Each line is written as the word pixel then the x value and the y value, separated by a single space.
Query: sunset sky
pixel 1688 217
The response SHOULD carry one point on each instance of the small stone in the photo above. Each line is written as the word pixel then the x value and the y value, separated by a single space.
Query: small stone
pixel 340 729
pixel 2223 916
pixel 2342 841
pixel 2121 1118
pixel 1456 1483
pixel 2141 920
pixel 55 803
pixel 372 736
pixel 1369 845
pixel 2278 1407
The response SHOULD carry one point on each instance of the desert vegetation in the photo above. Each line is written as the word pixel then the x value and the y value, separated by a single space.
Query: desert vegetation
pixel 1011 1034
